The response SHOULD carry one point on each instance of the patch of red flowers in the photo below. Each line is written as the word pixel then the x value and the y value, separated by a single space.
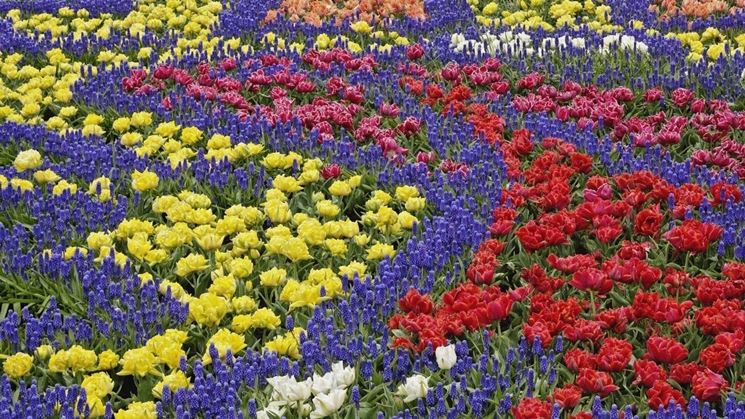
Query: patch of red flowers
pixel 614 264
pixel 465 308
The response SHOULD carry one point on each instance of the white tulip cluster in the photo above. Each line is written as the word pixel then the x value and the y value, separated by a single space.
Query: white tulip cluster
pixel 515 44
pixel 563 42
pixel 504 43
pixel 329 393
pixel 510 43
pixel 623 42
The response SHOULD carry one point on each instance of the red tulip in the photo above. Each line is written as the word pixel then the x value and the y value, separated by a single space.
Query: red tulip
pixel 530 408
pixel 661 394
pixel 647 372
pixel 708 386
pixel 414 52
pixel 331 171
pixel 595 382
pixel 666 350
pixel 614 355
pixel 648 221
pixel 717 357
pixel 500 308
pixel 591 279
pixel 568 396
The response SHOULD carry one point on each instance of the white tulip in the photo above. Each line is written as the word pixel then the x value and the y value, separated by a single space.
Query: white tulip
pixel 457 42
pixel 446 357
pixel 493 47
pixel 304 410
pixel 578 43
pixel 627 42
pixel 609 41
pixel 277 381
pixel 328 404
pixel 344 376
pixel 323 383
pixel 624 42
pixel 414 388
pixel 550 43
pixel 476 48
pixel 562 42
pixel 288 389
pixel 488 37
pixel 523 38
pixel 273 410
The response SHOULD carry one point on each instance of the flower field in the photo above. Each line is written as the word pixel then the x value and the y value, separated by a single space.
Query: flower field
pixel 372 209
